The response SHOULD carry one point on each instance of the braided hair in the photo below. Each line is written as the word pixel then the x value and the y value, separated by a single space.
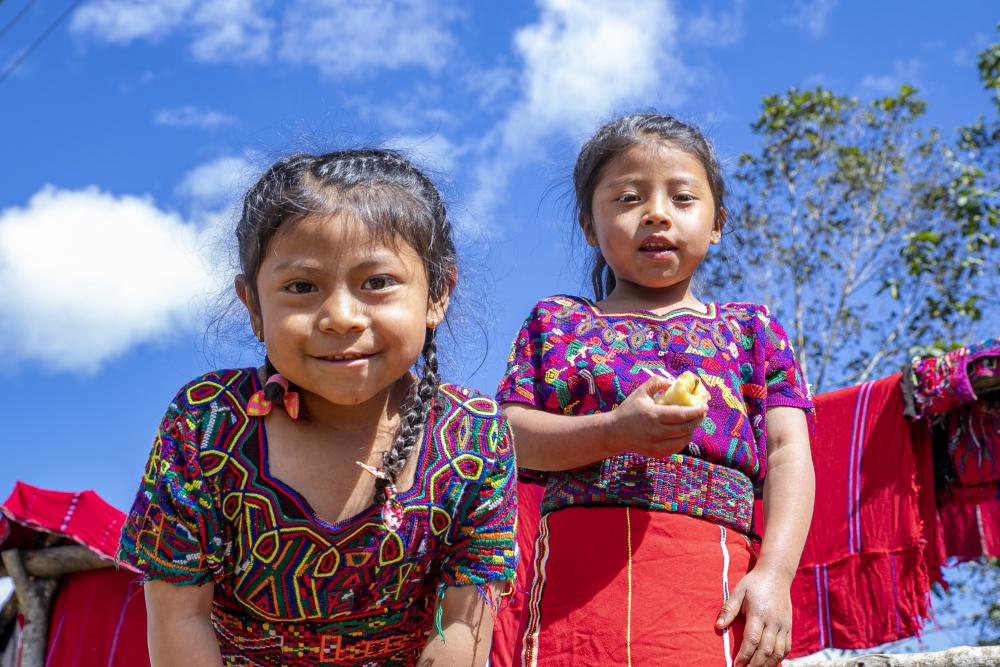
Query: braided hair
pixel 616 137
pixel 396 202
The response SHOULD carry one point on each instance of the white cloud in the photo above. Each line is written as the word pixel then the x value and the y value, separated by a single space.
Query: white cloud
pixel 904 71
pixel 342 37
pixel 418 107
pixel 968 56
pixel 192 116
pixel 217 184
pixel 490 84
pixel 713 27
pixel 231 30
pixel 87 275
pixel 582 62
pixel 122 21
pixel 813 16
pixel 431 150
pixel 336 36
pixel 222 30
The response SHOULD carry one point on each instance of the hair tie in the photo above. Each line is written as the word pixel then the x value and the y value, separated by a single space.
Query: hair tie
pixel 260 405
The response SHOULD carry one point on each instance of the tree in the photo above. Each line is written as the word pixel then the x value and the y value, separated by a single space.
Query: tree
pixel 865 232
pixel 874 239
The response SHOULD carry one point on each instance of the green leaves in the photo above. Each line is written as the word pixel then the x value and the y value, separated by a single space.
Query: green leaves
pixel 866 231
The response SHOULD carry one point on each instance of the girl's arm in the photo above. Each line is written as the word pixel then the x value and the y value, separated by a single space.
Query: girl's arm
pixel 546 441
pixel 764 594
pixel 467 622
pixel 180 630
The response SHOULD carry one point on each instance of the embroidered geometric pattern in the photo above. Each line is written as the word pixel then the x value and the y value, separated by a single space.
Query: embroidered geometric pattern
pixel 571 358
pixel 682 484
pixel 290 588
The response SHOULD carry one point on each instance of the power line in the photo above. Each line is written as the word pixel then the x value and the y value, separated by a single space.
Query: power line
pixel 34 45
pixel 17 17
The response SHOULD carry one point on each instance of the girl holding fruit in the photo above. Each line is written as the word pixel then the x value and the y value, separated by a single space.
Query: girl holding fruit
pixel 655 419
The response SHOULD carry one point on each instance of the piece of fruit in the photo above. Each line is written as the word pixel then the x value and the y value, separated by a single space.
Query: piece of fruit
pixel 687 389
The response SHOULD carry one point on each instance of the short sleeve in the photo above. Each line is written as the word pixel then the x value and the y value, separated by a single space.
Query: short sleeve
pixel 524 378
pixel 173 532
pixel 484 547
pixel 786 386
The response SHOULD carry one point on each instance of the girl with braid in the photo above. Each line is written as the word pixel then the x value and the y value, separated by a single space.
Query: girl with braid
pixel 338 505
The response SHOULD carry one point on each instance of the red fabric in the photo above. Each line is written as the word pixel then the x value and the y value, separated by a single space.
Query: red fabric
pixel 509 623
pixel 83 517
pixel 616 585
pixel 98 617
pixel 863 578
pixel 970 531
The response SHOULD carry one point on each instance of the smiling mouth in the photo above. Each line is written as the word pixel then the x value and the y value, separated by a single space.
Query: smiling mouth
pixel 347 356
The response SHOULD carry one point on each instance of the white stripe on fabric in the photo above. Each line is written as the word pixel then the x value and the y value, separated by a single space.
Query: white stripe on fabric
pixel 726 640
pixel 819 609
pixel 529 652
pixel 826 604
pixel 854 469
pixel 982 532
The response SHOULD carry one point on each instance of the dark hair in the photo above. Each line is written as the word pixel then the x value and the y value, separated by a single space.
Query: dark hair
pixel 616 137
pixel 395 201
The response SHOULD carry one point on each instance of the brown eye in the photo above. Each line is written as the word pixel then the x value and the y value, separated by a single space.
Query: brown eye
pixel 300 287
pixel 378 283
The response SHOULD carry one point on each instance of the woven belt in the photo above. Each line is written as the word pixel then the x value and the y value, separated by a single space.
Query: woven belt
pixel 682 484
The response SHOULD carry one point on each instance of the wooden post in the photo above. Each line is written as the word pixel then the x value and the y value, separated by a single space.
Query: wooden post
pixel 8 621
pixel 57 561
pixel 34 595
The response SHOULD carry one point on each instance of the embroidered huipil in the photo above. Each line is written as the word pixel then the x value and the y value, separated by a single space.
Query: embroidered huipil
pixel 290 588
pixel 572 358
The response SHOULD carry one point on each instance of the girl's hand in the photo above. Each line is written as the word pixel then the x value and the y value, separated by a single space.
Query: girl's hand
pixel 764 598
pixel 642 425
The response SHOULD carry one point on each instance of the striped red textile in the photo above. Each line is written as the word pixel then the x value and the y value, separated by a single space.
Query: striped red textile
pixel 632 587
pixel 98 617
pixel 864 577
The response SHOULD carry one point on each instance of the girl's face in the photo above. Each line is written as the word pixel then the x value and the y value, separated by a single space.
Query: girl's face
pixel 343 316
pixel 653 218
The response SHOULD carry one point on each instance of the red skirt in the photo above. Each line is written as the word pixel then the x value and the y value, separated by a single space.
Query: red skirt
pixel 626 586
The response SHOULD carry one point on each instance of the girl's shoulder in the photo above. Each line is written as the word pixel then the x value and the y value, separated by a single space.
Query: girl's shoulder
pixel 757 323
pixel 456 399
pixel 561 306
pixel 466 421
pixel 745 308
pixel 753 315
pixel 219 390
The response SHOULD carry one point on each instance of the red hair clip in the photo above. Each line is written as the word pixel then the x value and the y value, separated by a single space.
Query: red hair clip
pixel 259 404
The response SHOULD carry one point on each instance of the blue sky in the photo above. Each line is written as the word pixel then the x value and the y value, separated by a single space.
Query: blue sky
pixel 129 133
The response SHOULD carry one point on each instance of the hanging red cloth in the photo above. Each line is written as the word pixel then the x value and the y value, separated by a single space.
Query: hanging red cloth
pixel 98 617
pixel 970 531
pixel 509 622
pixel 863 578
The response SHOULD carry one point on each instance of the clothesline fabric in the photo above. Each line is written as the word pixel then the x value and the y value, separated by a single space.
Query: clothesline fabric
pixel 98 617
pixel 965 425
pixel 864 577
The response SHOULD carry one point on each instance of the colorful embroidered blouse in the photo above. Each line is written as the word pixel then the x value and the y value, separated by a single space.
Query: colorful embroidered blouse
pixel 571 358
pixel 290 588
